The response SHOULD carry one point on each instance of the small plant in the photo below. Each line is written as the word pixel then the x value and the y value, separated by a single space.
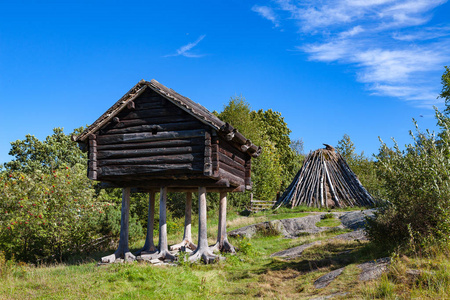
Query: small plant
pixel 327 216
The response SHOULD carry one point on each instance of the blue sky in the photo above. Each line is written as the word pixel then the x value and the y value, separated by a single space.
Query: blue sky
pixel 358 67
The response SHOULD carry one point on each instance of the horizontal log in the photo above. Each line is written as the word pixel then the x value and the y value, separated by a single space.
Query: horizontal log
pixel 232 148
pixel 233 171
pixel 151 160
pixel 239 138
pixel 106 154
pixel 148 113
pixel 159 127
pixel 150 105
pixel 230 155
pixel 234 180
pixel 142 169
pixel 146 137
pixel 146 121
pixel 154 144
pixel 230 162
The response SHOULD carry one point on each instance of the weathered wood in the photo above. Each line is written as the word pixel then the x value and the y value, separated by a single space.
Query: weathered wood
pixel 151 160
pixel 234 180
pixel 148 121
pixel 149 113
pixel 231 162
pixel 233 171
pixel 159 127
pixel 106 154
pixel 248 173
pixel 131 105
pixel 143 169
pixel 147 137
pixel 215 155
pixel 154 144
pixel 122 251
pixel 163 246
pixel 149 246
pixel 207 170
pixel 92 163
pixel 202 251
pixel 231 151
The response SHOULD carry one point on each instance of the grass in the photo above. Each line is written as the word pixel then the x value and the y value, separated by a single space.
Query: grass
pixel 251 273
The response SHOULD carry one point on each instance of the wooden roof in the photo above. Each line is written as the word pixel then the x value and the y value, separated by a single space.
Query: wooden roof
pixel 184 103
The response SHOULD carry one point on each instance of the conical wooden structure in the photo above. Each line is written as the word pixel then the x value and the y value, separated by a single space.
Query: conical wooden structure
pixel 325 180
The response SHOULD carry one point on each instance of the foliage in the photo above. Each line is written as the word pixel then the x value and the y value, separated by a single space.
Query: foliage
pixel 56 151
pixel 445 93
pixel 273 170
pixel 364 168
pixel 47 215
pixel 417 185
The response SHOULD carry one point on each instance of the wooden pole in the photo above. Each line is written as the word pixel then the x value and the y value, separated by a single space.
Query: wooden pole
pixel 163 247
pixel 187 236
pixel 202 252
pixel 123 251
pixel 149 246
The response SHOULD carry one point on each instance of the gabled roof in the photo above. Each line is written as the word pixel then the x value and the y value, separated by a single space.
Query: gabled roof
pixel 194 109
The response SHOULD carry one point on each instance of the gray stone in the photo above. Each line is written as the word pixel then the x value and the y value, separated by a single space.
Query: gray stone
pixel 327 278
pixel 373 269
pixel 296 251
pixel 289 228
pixel 357 219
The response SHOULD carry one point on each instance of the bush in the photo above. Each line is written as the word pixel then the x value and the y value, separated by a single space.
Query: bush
pixel 417 184
pixel 46 216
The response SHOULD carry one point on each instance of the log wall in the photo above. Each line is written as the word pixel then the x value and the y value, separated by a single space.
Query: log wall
pixel 153 142
pixel 150 137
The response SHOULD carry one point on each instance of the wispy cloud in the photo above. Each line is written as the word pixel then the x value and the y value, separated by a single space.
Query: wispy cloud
pixel 267 13
pixel 184 50
pixel 386 42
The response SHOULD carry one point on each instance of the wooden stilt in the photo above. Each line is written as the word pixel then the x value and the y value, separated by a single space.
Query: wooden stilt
pixel 123 251
pixel 149 246
pixel 222 244
pixel 202 252
pixel 187 236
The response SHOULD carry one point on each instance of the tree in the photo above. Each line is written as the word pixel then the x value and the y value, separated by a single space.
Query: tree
pixel 445 93
pixel 361 165
pixel 56 151
pixel 274 168
pixel 346 148
pixel 417 186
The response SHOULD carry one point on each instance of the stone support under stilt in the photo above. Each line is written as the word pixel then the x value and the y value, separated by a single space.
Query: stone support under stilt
pixel 202 252
pixel 122 251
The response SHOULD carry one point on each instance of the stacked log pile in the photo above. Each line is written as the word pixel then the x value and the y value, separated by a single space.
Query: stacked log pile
pixel 325 180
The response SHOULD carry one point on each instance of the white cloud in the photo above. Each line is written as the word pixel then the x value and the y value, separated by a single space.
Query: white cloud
pixel 267 13
pixel 380 39
pixel 184 50
pixel 424 34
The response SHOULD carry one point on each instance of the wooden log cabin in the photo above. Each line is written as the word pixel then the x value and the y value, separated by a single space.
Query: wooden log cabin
pixel 154 139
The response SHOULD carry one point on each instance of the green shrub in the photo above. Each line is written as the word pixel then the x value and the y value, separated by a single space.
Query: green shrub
pixel 46 216
pixel 417 184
